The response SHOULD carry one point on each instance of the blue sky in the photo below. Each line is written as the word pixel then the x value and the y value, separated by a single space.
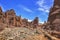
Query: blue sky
pixel 29 9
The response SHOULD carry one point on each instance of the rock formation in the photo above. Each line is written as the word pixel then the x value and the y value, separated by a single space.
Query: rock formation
pixel 16 28
pixel 1 15
pixel 54 15
pixel 10 19
pixel 35 22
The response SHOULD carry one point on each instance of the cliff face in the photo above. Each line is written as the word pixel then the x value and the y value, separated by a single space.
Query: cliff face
pixel 9 18
pixel 54 15
pixel 54 11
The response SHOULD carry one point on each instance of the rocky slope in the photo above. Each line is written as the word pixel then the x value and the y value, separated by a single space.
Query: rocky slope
pixel 22 33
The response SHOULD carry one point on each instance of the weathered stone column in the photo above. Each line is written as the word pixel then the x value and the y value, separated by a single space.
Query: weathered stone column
pixel 54 15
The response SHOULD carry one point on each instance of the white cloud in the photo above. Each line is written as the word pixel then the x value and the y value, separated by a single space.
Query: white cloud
pixel 40 2
pixel 28 10
pixel 25 8
pixel 41 9
pixel 41 22
pixel 29 20
pixel 2 7
pixel 46 10
pixel 32 20
pixel 42 6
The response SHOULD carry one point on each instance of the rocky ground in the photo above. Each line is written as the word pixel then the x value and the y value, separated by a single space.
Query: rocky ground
pixel 22 33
